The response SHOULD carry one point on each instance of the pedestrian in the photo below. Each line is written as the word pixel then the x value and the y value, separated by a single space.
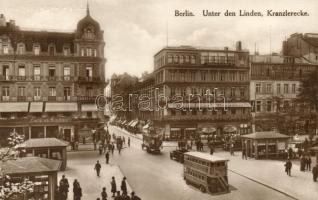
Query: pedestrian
pixel 118 196
pixel 128 141
pixel 211 149
pixel 104 194
pixel 119 148
pixel 107 157
pixel 113 148
pixel 64 185
pixel 57 193
pixel 97 168
pixel 100 148
pixel 134 196
pixel 309 163
pixel 113 186
pixel 288 166
pixel 124 140
pixel 125 197
pixel 302 163
pixel 124 186
pixel 244 156
pixel 315 172
pixel 77 190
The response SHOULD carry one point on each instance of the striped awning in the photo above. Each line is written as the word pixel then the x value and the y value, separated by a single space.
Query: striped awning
pixel 209 105
pixel 61 107
pixel 36 107
pixel 14 107
pixel 229 129
pixel 89 107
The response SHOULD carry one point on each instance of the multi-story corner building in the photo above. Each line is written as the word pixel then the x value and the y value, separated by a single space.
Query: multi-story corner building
pixel 193 74
pixel 49 80
pixel 302 46
pixel 275 83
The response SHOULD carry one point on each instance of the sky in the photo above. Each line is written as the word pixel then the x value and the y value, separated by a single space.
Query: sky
pixel 134 30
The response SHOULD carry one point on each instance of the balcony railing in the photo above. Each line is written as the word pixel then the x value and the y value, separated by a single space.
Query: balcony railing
pixel 51 98
pixel 50 78
pixel 21 98
pixel 204 117
pixel 90 99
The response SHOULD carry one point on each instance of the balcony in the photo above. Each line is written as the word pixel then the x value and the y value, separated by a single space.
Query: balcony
pixel 37 98
pixel 90 79
pixel 86 99
pixel 51 98
pixel 21 98
pixel 5 78
pixel 5 98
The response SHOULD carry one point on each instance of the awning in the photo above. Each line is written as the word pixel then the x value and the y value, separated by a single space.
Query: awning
pixel 145 126
pixel 229 128
pixel 208 130
pixel 135 123
pixel 175 129
pixel 61 107
pixel 190 129
pixel 14 106
pixel 124 122
pixel 36 107
pixel 89 107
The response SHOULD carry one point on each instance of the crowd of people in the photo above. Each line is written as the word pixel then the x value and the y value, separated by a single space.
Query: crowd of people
pixel 122 194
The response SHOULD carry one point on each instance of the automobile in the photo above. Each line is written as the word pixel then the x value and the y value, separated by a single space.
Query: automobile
pixel 178 155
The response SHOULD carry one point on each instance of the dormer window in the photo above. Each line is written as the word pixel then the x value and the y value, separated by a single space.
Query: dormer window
pixel 89 33
pixel 36 49
pixel 20 49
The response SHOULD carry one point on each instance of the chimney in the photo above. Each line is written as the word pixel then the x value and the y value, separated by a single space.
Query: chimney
pixel 238 46
pixel 226 48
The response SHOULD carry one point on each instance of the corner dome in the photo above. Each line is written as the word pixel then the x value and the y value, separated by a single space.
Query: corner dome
pixel 87 21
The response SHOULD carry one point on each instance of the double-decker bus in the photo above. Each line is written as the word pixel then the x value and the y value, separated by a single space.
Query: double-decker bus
pixel 207 172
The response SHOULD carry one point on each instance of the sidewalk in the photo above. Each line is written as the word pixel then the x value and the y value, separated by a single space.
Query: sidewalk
pixel 80 166
pixel 272 174
pixel 139 137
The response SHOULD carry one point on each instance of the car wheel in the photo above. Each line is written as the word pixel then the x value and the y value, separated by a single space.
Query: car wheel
pixel 202 189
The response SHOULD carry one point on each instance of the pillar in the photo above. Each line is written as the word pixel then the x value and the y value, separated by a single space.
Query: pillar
pixel 266 150
pixel 44 131
pixel 30 132
pixel 256 152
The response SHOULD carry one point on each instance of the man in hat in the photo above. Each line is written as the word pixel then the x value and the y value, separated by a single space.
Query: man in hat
pixel 97 168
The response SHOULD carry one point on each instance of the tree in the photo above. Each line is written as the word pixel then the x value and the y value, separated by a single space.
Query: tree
pixel 308 99
pixel 8 188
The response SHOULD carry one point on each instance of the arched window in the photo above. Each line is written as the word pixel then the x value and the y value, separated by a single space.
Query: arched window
pixel 20 48
pixel 36 49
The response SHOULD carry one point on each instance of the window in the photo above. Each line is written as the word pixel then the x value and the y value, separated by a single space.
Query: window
pixel 294 88
pixel 66 51
pixel 20 49
pixel 172 91
pixel 193 90
pixel 172 75
pixel 169 58
pixel 37 73
pixel 94 52
pixel 193 60
pixel 36 49
pixel 52 91
pixel 286 88
pixel 233 111
pixel 5 72
pixel 52 71
pixel 203 75
pixel 89 72
pixel 5 91
pixel 183 91
pixel 5 49
pixel 192 76
pixel 89 91
pixel 268 88
pixel 67 93
pixel 51 50
pixel 89 52
pixel 258 106
pixel 242 92
pixel 181 59
pixel 21 91
pixel 182 76
pixel 278 88
pixel 187 59
pixel 37 93
pixel 213 75
pixel 175 59
pixel 269 106
pixel 242 76
pixel 232 92
pixel 173 112
pixel 222 76
pixel 21 71
pixel 258 88
pixel 82 52
pixel 67 73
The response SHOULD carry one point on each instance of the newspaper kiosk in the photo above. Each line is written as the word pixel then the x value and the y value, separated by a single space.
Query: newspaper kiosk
pixel 207 172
